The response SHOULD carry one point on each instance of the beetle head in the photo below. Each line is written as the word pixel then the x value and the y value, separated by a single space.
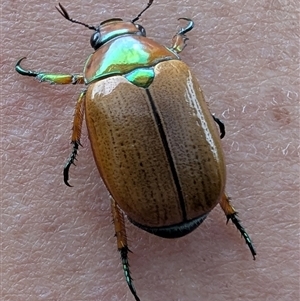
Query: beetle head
pixel 111 27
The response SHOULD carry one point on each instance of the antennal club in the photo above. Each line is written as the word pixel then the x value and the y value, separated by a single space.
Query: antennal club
pixel 139 15
pixel 65 14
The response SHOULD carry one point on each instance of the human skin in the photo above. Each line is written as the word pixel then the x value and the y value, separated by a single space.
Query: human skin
pixel 57 243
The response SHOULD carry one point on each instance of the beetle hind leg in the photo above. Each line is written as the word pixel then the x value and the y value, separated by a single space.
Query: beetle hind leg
pixel 120 233
pixel 231 214
pixel 52 78
pixel 76 133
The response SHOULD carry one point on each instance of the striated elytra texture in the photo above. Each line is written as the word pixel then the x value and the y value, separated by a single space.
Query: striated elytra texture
pixel 158 149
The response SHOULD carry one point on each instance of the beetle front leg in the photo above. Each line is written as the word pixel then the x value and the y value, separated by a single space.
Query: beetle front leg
pixel 120 233
pixel 178 41
pixel 76 134
pixel 231 214
pixel 52 78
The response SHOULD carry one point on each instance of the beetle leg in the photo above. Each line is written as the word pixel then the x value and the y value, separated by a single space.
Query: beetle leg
pixel 178 41
pixel 232 214
pixel 221 126
pixel 52 78
pixel 76 133
pixel 120 233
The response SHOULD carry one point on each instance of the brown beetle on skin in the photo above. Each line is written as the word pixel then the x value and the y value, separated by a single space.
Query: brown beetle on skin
pixel 154 140
pixel 157 150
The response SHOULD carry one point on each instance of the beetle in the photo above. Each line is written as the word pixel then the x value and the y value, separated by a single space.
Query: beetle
pixel 153 138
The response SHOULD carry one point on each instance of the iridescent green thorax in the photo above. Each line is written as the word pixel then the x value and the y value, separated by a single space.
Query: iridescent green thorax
pixel 130 55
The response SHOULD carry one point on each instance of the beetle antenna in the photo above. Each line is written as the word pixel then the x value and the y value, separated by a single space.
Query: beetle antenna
pixel 65 14
pixel 138 16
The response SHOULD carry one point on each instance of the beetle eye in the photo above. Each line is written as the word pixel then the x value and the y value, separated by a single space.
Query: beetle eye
pixel 96 40
pixel 141 29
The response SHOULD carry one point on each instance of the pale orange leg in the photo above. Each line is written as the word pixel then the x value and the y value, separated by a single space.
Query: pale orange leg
pixel 63 79
pixel 120 233
pixel 231 214
pixel 76 134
